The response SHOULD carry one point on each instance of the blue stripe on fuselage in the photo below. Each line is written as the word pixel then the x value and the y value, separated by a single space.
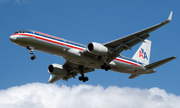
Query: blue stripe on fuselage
pixel 75 44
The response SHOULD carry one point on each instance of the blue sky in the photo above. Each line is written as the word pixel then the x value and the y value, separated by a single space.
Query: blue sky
pixel 86 21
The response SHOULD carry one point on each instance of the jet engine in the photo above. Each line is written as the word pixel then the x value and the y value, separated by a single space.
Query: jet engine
pixel 56 69
pixel 98 49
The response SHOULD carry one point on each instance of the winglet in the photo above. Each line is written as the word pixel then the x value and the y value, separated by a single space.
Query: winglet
pixel 170 16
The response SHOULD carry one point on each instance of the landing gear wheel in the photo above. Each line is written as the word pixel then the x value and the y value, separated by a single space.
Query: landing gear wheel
pixel 102 67
pixel 33 57
pixel 31 52
pixel 109 67
pixel 84 79
pixel 106 67
pixel 80 78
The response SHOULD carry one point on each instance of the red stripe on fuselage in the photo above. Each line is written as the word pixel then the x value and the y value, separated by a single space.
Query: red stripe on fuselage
pixel 61 43
pixel 52 41
pixel 118 59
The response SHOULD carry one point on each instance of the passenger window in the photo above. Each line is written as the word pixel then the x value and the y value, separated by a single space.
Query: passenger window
pixel 28 32
pixel 36 33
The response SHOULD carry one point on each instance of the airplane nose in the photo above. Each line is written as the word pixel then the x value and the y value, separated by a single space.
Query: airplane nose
pixel 12 38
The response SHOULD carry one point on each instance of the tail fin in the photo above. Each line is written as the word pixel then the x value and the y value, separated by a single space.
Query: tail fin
pixel 143 53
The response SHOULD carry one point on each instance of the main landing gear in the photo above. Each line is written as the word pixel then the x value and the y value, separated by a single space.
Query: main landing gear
pixel 106 67
pixel 31 52
pixel 82 77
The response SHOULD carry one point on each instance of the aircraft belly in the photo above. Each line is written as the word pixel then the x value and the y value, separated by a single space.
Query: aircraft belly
pixel 125 67
pixel 76 57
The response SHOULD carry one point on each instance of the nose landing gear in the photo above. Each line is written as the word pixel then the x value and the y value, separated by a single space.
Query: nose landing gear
pixel 31 52
pixel 33 57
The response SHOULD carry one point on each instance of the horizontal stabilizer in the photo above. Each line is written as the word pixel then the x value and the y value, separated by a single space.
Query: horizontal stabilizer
pixel 134 76
pixel 159 63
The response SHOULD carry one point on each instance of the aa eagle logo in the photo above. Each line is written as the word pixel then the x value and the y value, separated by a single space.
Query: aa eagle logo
pixel 143 54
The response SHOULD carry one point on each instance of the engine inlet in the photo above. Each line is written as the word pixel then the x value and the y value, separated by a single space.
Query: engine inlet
pixel 50 68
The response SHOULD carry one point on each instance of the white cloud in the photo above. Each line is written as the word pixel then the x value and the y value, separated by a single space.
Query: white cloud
pixel 38 95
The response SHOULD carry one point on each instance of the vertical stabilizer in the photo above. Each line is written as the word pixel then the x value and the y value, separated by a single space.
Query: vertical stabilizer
pixel 143 53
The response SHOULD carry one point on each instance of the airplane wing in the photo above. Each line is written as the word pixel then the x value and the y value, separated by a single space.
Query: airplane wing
pixel 129 41
pixel 73 71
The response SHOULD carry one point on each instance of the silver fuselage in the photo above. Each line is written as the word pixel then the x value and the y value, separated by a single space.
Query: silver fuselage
pixel 72 52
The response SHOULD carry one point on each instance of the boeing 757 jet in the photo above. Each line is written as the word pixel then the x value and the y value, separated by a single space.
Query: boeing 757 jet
pixel 83 59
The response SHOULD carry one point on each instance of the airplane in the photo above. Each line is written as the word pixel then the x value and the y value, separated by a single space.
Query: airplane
pixel 81 59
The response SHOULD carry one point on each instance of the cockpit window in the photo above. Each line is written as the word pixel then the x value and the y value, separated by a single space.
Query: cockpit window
pixel 28 32
pixel 19 32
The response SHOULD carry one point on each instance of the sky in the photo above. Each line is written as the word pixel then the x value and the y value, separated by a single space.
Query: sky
pixel 24 82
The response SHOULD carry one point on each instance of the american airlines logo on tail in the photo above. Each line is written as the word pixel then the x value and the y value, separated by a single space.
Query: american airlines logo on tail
pixel 143 54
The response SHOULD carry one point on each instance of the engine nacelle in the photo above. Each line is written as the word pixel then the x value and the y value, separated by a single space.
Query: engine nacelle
pixel 98 49
pixel 56 69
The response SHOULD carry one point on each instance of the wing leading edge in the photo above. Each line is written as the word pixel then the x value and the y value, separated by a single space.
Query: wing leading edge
pixel 129 41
